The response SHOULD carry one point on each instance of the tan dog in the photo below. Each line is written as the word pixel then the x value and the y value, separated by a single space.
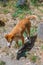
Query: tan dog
pixel 18 30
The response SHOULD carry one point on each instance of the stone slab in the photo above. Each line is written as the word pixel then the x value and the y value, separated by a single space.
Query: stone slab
pixel 40 31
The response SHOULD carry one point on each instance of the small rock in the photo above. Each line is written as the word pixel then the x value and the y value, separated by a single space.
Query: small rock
pixel 2 23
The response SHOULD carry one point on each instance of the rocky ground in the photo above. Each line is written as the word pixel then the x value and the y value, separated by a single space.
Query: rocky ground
pixel 9 55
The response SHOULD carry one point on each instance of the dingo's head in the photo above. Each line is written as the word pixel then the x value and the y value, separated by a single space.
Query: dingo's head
pixel 9 38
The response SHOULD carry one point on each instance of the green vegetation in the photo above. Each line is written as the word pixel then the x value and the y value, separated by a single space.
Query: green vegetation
pixel 2 63
pixel 33 31
pixel 34 58
pixel 20 43
pixel 21 12
pixel 18 11
pixel 24 34
pixel 34 2
pixel 6 11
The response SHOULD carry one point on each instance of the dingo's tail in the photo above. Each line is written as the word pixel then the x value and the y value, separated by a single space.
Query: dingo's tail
pixel 31 17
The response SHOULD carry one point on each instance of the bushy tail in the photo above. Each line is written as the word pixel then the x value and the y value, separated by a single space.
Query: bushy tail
pixel 31 17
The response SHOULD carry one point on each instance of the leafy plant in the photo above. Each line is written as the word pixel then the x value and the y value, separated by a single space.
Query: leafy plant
pixel 34 2
pixel 2 63
pixel 16 14
pixel 21 11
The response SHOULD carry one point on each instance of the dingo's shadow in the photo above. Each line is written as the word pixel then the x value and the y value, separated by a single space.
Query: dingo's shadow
pixel 26 47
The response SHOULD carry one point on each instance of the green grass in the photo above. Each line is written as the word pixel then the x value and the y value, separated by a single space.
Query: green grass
pixel 34 2
pixel 34 58
pixel 17 13
pixel 24 34
pixel 2 63
pixel 21 11
pixel 6 11
pixel 20 43
pixel 32 32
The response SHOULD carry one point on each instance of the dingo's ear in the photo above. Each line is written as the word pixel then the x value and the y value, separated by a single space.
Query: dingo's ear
pixel 31 17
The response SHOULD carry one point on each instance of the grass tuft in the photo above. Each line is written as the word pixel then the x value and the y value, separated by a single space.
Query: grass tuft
pixel 2 63
pixel 34 58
